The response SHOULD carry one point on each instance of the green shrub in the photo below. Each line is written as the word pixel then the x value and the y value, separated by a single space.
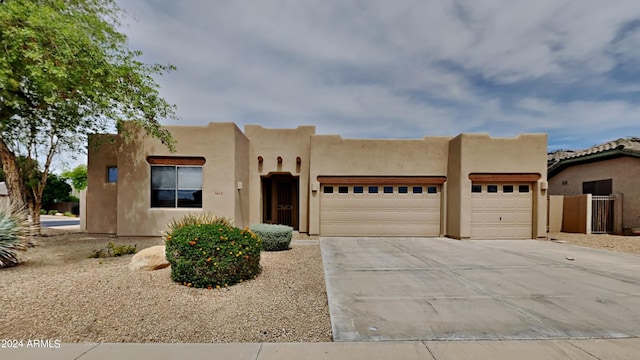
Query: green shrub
pixel 15 233
pixel 43 212
pixel 195 219
pixel 113 250
pixel 53 212
pixel 211 254
pixel 274 237
pixel 68 213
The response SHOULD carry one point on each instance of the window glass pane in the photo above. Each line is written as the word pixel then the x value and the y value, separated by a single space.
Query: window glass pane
pixel 432 190
pixel 403 189
pixel 328 189
pixel 388 189
pixel 112 174
pixel 523 188
pixel 417 189
pixel 163 198
pixel 476 188
pixel 189 178
pixel 343 189
pixel 373 189
pixel 492 188
pixel 358 189
pixel 163 178
pixel 507 188
pixel 190 198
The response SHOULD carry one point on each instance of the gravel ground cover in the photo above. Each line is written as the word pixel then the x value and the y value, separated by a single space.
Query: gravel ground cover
pixel 628 244
pixel 59 293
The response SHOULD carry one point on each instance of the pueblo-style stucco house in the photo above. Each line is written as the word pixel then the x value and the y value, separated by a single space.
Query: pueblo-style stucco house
pixel 605 169
pixel 468 186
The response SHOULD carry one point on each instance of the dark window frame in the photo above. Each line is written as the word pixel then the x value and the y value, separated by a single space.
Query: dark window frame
pixel 195 202
pixel 343 189
pixel 327 189
pixel 109 173
pixel 598 187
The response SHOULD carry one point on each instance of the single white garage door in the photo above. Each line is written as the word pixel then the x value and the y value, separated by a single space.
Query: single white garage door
pixel 501 211
pixel 380 210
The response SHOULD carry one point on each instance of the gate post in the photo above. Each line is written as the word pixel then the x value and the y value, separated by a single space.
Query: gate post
pixel 588 213
pixel 617 213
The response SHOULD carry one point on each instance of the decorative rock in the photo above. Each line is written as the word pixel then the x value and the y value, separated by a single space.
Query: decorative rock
pixel 152 258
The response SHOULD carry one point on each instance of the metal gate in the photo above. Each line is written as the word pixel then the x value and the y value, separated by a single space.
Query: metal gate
pixel 601 214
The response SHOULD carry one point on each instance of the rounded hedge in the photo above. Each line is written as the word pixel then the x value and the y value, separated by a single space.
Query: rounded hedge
pixel 274 237
pixel 212 255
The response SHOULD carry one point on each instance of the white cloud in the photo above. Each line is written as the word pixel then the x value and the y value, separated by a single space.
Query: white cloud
pixel 399 68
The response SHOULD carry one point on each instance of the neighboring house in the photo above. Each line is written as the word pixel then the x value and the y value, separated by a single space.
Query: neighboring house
pixel 611 168
pixel 468 186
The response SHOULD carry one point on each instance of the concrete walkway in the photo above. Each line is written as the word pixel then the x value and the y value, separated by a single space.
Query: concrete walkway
pixel 599 349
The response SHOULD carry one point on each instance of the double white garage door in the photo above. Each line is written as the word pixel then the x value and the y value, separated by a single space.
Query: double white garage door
pixel 498 210
pixel 380 210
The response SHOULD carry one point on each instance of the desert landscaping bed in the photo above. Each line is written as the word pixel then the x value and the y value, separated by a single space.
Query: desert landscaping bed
pixel 628 244
pixel 59 293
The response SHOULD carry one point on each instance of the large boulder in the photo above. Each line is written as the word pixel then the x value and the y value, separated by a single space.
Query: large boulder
pixel 151 258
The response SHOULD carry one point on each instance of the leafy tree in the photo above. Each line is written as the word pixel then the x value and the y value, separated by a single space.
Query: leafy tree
pixel 78 177
pixel 65 73
pixel 56 190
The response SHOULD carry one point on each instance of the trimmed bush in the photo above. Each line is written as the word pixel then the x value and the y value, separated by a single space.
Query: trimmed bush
pixel 15 233
pixel 53 212
pixel 43 212
pixel 274 237
pixel 195 219
pixel 211 254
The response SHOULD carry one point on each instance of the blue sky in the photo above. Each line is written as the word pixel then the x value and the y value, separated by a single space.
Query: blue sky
pixel 400 68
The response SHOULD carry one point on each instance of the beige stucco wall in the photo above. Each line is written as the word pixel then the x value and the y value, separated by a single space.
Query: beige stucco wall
pixel 555 208
pixel 331 155
pixel 243 190
pixel 269 144
pixel 454 189
pixel 625 175
pixel 215 142
pixel 480 153
pixel 101 196
pixel 232 174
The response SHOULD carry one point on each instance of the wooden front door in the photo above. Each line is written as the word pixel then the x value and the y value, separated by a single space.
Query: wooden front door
pixel 281 200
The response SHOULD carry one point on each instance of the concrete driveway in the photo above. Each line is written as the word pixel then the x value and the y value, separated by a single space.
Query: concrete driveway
pixel 444 289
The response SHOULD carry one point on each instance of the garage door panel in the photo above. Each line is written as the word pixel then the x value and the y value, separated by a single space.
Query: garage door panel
pixel 354 215
pixel 381 214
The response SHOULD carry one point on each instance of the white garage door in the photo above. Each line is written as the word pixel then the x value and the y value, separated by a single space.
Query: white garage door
pixel 501 211
pixel 380 210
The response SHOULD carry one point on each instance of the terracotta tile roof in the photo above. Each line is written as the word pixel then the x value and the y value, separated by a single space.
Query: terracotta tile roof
pixel 622 146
